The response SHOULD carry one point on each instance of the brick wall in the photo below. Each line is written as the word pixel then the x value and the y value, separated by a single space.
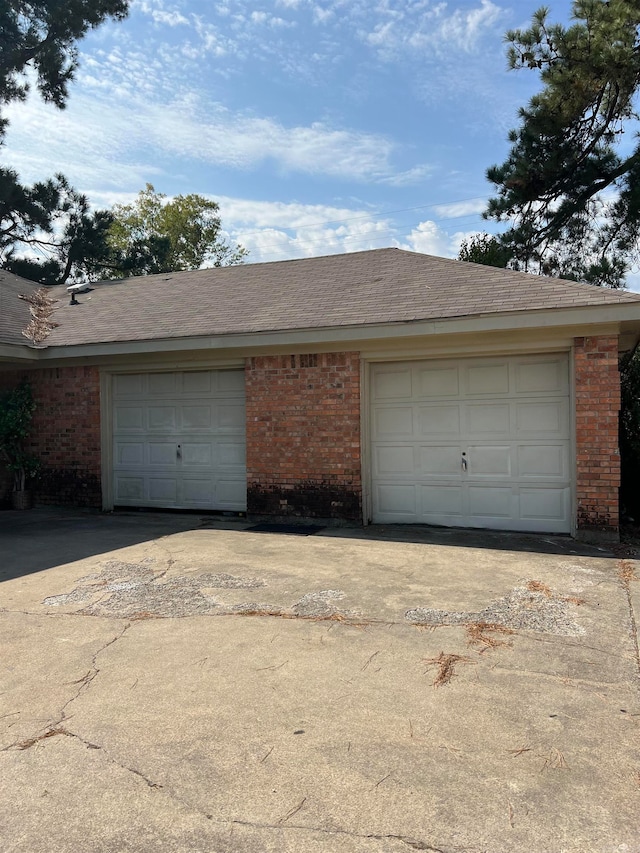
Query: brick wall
pixel 598 460
pixel 65 433
pixel 303 435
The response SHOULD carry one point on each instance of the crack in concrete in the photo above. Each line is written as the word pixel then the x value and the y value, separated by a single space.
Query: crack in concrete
pixel 58 730
pixel 61 730
pixel 170 560
pixel 413 843
pixel 56 727
pixel 87 679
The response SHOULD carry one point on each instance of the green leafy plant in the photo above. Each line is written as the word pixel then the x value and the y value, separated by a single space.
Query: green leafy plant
pixel 16 412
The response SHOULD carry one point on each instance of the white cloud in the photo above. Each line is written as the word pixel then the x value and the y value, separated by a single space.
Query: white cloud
pixel 430 27
pixel 173 19
pixel 461 208
pixel 261 18
pixel 277 214
pixel 412 176
pixel 431 239
pixel 279 230
pixel 92 135
pixel 160 14
pixel 321 15
pixel 464 29
pixel 633 280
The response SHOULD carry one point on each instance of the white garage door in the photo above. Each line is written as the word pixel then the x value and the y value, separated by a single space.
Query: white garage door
pixel 179 440
pixel 473 443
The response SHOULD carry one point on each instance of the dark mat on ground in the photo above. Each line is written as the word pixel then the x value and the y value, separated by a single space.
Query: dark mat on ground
pixel 298 529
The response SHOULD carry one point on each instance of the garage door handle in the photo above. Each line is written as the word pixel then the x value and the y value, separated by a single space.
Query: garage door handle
pixel 464 462
pixel 179 452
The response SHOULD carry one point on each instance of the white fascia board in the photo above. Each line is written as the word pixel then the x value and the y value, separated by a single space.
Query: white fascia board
pixel 600 319
pixel 18 352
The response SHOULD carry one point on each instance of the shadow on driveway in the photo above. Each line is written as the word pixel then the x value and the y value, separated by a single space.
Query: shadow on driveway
pixel 41 538
pixel 44 537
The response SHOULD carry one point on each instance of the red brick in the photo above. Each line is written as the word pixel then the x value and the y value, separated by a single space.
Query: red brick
pixel 65 432
pixel 303 435
pixel 597 384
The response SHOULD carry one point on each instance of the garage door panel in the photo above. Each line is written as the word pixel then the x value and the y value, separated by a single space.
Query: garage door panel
pixel 490 501
pixel 196 417
pixel 129 418
pixel 189 448
pixel 393 421
pixel 544 504
pixel 200 383
pixel 197 454
pixel 543 461
pixel 439 420
pixel 487 418
pixel 394 460
pixel 509 417
pixel 229 381
pixel 162 454
pixel 489 461
pixel 536 418
pixel 442 500
pixel 163 490
pixel 128 385
pixel 130 453
pixel 129 488
pixel 441 460
pixel 438 382
pixel 392 384
pixel 197 490
pixel 541 376
pixel 162 383
pixel 396 498
pixel 161 418
pixel 487 379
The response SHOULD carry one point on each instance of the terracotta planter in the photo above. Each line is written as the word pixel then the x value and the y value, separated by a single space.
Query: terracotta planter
pixel 21 500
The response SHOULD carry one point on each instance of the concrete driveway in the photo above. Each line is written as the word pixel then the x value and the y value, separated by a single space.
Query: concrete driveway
pixel 174 683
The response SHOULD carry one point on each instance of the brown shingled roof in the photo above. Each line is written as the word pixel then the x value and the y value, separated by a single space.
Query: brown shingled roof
pixel 362 288
pixel 14 312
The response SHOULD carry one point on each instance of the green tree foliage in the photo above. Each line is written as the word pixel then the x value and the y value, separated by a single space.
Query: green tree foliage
pixel 38 41
pixel 153 235
pixel 570 187
pixel 16 411
pixel 484 249
pixel 54 220
pixel 40 37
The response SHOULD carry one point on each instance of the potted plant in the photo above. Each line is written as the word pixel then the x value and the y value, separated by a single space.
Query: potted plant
pixel 16 411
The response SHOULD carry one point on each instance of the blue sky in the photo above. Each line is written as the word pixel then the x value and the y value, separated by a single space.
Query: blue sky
pixel 319 126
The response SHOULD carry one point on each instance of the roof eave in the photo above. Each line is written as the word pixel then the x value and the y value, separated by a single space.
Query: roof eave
pixel 18 352
pixel 605 318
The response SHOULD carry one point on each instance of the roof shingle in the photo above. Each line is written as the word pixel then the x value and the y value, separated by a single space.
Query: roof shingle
pixel 14 312
pixel 362 288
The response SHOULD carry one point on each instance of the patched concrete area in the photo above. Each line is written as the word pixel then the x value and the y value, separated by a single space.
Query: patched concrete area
pixel 177 683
